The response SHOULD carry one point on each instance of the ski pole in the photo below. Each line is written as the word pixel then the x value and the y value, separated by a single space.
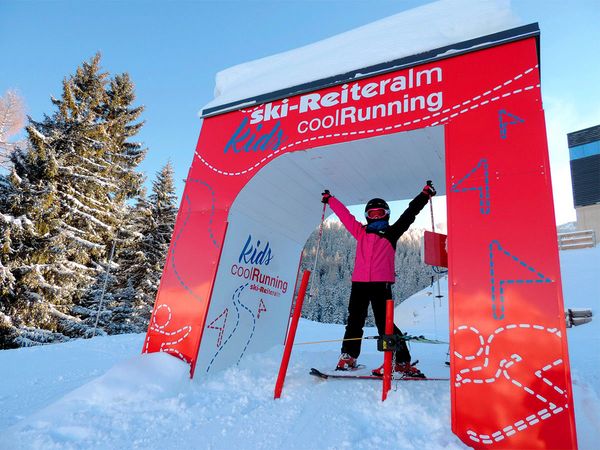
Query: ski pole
pixel 433 229
pixel 429 183
pixel 314 271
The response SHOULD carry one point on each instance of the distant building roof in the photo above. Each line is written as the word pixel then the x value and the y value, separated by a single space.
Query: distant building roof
pixel 582 137
pixel 584 153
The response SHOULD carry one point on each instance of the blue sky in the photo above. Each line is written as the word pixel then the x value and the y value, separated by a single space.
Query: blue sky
pixel 173 49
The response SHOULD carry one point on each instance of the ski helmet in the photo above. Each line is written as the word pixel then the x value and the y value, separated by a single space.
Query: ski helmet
pixel 375 204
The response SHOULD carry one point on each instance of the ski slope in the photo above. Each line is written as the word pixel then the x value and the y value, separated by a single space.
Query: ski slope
pixel 102 394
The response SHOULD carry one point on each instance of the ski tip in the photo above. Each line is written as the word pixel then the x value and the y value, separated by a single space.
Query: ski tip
pixel 318 373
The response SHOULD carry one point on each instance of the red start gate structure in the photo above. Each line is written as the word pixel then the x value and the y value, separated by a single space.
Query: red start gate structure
pixel 469 114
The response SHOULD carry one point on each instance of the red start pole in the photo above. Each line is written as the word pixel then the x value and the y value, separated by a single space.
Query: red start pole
pixel 387 355
pixel 289 342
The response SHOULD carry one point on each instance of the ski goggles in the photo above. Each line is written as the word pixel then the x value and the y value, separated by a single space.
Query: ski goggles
pixel 377 213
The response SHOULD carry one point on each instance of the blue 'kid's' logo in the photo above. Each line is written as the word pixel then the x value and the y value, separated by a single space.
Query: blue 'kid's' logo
pixel 248 140
pixel 253 254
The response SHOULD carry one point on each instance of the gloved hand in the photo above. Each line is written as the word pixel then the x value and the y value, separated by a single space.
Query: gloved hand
pixel 429 189
pixel 325 196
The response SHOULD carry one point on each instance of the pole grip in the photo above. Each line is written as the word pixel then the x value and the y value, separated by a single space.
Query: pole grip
pixel 387 356
pixel 289 342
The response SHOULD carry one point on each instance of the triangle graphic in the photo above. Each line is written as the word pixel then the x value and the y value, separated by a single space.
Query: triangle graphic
pixel 525 274
pixel 507 119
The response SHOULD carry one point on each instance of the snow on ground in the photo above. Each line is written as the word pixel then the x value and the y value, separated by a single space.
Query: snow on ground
pixel 32 378
pixel 404 34
pixel 101 393
pixel 147 401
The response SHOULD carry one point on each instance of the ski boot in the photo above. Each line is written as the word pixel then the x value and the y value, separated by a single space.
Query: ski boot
pixel 403 369
pixel 346 362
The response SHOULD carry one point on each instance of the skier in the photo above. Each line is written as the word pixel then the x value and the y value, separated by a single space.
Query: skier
pixel 374 273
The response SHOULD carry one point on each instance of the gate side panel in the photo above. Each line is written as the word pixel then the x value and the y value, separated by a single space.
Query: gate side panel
pixel 182 302
pixel 510 381
pixel 251 300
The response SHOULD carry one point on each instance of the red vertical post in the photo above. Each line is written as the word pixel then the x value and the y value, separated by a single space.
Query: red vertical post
pixel 289 342
pixel 387 355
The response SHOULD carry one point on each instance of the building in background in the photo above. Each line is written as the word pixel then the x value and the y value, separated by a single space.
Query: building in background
pixel 584 152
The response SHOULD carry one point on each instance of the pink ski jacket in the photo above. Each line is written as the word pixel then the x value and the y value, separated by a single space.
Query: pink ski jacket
pixel 375 251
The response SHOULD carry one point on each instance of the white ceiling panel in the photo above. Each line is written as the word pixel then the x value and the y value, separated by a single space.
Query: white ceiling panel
pixel 285 194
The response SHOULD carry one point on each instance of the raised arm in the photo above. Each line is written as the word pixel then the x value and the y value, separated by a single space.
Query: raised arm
pixel 347 219
pixel 398 228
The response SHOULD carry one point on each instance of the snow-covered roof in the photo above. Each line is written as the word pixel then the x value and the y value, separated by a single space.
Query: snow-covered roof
pixel 432 26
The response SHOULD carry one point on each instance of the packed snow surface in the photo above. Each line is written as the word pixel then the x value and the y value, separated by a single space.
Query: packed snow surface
pixel 427 27
pixel 101 393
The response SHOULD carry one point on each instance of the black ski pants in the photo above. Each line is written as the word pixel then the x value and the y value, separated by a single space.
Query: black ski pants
pixel 361 294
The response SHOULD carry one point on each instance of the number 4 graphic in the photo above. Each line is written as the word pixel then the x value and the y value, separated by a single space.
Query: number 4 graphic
pixel 472 182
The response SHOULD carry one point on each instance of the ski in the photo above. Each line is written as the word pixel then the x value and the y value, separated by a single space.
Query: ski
pixel 351 376
pixel 402 337
pixel 413 338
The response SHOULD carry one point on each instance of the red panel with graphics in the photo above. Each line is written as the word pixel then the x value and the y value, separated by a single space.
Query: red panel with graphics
pixel 510 370
pixel 510 364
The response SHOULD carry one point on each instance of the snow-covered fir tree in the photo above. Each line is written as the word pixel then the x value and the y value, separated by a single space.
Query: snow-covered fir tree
pixel 120 158
pixel 133 294
pixel 142 261
pixel 71 183
pixel 163 204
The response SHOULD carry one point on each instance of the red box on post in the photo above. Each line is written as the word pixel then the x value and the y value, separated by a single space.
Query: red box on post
pixel 435 249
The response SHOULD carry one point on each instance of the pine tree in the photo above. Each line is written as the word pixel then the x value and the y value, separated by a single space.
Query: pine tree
pixel 54 185
pixel 143 260
pixel 124 156
pixel 163 204
pixel 134 293
pixel 71 183
pixel 120 158
pixel 41 277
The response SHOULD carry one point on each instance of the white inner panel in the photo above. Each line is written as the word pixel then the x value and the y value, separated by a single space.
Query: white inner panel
pixel 285 194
